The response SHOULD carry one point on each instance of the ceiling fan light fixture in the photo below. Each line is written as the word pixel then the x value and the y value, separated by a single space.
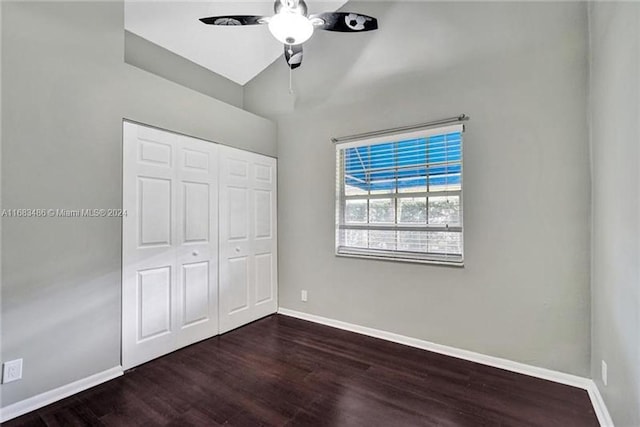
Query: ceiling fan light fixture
pixel 290 28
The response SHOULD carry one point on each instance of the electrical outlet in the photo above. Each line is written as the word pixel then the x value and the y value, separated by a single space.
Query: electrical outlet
pixel 604 372
pixel 12 371
pixel 303 295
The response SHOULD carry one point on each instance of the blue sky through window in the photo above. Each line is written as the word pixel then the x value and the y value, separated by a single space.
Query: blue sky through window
pixel 405 164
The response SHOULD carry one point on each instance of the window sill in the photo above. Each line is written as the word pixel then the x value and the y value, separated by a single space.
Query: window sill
pixel 456 264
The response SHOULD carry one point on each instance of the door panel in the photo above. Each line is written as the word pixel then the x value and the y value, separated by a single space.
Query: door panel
pixel 170 242
pixel 195 160
pixel 154 197
pixel 248 246
pixel 238 213
pixel 237 167
pixel 154 152
pixel 238 294
pixel 264 283
pixel 262 214
pixel 195 291
pixel 154 296
pixel 196 212
pixel 264 173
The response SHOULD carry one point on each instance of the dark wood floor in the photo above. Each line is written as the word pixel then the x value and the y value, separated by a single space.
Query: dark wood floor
pixel 282 371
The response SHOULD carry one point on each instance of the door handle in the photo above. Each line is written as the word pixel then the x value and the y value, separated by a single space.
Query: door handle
pixel 237 250
pixel 195 253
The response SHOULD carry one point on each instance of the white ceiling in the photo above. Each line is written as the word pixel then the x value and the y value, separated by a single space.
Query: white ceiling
pixel 238 53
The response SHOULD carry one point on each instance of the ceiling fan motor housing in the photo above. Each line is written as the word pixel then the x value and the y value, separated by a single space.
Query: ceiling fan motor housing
pixel 296 6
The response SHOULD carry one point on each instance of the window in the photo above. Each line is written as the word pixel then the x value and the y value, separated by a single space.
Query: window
pixel 400 197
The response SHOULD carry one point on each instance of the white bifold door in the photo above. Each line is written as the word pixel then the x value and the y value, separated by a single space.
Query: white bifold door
pixel 170 242
pixel 248 245
pixel 199 241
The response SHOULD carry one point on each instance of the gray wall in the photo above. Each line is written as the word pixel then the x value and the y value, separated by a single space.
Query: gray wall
pixel 1 205
pixel 615 138
pixel 523 293
pixel 66 90
pixel 158 60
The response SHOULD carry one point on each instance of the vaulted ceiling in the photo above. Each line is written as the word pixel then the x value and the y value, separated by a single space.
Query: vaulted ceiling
pixel 238 54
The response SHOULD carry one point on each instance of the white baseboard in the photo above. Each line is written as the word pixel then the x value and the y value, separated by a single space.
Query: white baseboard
pixel 599 406
pixel 497 362
pixel 36 402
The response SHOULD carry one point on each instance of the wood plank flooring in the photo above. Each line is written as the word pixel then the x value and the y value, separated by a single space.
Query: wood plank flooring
pixel 281 371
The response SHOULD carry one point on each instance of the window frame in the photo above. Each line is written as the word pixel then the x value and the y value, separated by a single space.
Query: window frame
pixel 398 255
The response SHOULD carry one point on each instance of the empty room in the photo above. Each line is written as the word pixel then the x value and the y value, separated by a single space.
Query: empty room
pixel 319 213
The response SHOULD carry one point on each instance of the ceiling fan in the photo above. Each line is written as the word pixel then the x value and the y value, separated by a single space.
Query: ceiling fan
pixel 292 25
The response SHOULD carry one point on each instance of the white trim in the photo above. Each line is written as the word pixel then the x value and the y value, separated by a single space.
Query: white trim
pixel 546 374
pixel 36 402
pixel 599 406
pixel 390 257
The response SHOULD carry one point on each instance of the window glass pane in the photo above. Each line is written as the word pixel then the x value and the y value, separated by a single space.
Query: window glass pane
pixel 412 180
pixel 412 210
pixel 383 181
pixel 445 242
pixel 382 239
pixel 382 156
pixel 445 177
pixel 445 148
pixel 355 171
pixel 444 210
pixel 413 241
pixel 355 212
pixel 354 190
pixel 355 238
pixel 381 211
pixel 356 161
pixel 411 152
pixel 452 183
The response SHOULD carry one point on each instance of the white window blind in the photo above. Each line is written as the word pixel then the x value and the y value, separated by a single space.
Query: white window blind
pixel 400 197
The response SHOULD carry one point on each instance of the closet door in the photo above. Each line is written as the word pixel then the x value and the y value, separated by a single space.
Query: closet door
pixel 248 246
pixel 197 241
pixel 169 245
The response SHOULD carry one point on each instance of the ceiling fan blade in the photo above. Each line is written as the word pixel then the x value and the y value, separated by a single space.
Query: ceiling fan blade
pixel 293 55
pixel 235 20
pixel 345 22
